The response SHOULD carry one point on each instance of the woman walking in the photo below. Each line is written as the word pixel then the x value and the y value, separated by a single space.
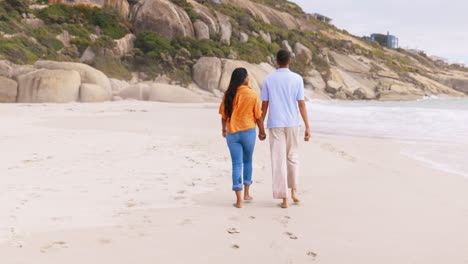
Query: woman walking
pixel 241 112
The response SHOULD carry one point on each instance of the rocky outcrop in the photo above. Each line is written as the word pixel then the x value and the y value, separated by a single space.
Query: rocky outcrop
pixel 65 38
pixel 315 81
pixel 303 54
pixel 285 45
pixel 124 45
pixel 400 92
pixel 118 85
pixel 206 73
pixel 205 15
pixel 456 80
pixel 8 90
pixel 121 6
pixel 163 17
pixel 6 69
pixel 172 94
pixel 92 93
pixel 333 87
pixel 225 28
pixel 138 91
pixel 257 73
pixel 88 74
pixel 265 36
pixel 202 31
pixel 243 37
pixel 267 14
pixel 49 86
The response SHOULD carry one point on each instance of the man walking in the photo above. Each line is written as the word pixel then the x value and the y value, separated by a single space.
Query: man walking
pixel 283 95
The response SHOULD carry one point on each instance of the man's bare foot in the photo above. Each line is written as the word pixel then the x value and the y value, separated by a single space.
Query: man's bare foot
pixel 284 204
pixel 294 195
pixel 247 197
pixel 238 204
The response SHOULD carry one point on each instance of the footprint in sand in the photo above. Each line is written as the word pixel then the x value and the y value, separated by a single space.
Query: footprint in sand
pixel 233 230
pixel 290 235
pixel 252 217
pixel 311 254
pixel 54 245
pixel 235 246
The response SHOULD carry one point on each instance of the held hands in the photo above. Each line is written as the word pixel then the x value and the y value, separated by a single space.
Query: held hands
pixel 262 136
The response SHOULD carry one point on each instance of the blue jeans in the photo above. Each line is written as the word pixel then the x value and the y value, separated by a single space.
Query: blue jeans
pixel 241 146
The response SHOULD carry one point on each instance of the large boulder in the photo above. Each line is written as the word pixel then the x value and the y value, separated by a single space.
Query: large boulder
pixel 6 68
pixel 265 36
pixel 124 45
pixel 88 74
pixel 21 70
pixel 303 54
pixel 121 6
pixel 285 45
pixel 118 85
pixel 361 94
pixel 257 73
pixel 172 94
pixel 225 28
pixel 139 91
pixel 315 81
pixel 49 86
pixel 202 31
pixel 162 16
pixel 8 90
pixel 243 37
pixel 207 73
pixel 92 93
pixel 205 15
pixel 333 87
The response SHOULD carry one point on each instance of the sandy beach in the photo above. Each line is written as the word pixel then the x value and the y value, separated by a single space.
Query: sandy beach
pixel 142 182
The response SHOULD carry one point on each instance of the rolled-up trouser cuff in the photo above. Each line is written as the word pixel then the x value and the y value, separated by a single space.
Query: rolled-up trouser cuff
pixel 247 183
pixel 237 187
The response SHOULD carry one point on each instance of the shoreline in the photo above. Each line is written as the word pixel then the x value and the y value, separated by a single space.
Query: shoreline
pixel 362 201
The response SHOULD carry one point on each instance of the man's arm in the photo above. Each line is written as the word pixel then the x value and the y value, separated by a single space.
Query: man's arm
pixel 305 117
pixel 264 109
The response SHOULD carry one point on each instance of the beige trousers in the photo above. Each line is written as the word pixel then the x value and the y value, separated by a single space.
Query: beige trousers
pixel 284 144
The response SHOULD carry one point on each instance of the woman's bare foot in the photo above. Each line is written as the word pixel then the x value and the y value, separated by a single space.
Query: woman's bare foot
pixel 247 196
pixel 295 199
pixel 284 204
pixel 238 204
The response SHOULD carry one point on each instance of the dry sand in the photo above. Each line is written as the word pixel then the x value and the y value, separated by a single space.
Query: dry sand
pixel 138 182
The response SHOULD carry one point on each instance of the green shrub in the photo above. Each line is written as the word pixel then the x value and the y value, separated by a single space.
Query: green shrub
pixel 21 50
pixel 80 43
pixel 149 41
pixel 112 67
pixel 87 17
pixel 47 39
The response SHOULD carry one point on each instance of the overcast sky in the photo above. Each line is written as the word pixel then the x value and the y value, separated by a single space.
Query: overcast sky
pixel 440 27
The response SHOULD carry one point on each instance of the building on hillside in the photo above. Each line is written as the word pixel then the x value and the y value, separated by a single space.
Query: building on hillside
pixel 320 17
pixel 388 40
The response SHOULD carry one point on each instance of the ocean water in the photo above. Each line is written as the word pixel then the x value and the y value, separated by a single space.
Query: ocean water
pixel 435 131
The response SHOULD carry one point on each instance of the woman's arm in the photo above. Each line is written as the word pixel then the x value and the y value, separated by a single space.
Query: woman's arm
pixel 223 126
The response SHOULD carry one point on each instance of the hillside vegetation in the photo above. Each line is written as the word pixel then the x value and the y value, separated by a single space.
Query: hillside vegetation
pixel 337 63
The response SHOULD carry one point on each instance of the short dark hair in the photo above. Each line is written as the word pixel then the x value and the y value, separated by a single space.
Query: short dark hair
pixel 283 57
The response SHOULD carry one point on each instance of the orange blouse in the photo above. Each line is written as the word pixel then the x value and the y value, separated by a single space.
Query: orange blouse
pixel 246 110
